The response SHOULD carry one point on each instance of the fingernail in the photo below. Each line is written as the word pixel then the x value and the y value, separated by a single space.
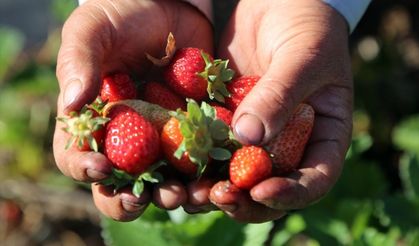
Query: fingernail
pixel 131 207
pixel 249 129
pixel 95 174
pixel 228 207
pixel 192 210
pixel 71 92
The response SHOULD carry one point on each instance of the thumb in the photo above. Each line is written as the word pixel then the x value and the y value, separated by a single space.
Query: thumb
pixel 265 110
pixel 79 60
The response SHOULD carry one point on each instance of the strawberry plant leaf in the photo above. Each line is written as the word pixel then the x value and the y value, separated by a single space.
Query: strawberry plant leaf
pixel 257 234
pixel 11 44
pixel 406 134
pixel 409 174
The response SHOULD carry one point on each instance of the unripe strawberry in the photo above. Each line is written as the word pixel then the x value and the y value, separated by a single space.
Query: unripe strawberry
pixel 287 148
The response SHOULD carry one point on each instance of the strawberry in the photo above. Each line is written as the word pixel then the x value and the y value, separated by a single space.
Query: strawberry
pixel 288 146
pixel 248 166
pixel 159 94
pixel 131 141
pixel 239 88
pixel 222 113
pixel 171 138
pixel 86 129
pixel 157 115
pixel 191 140
pixel 193 73
pixel 118 87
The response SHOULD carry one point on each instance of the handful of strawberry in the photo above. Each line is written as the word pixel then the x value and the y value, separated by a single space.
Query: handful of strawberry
pixel 182 123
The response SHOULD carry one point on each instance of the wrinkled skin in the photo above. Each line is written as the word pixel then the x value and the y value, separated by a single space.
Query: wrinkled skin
pixel 104 36
pixel 299 48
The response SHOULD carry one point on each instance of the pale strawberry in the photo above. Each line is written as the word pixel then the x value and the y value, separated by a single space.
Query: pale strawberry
pixel 249 166
pixel 287 148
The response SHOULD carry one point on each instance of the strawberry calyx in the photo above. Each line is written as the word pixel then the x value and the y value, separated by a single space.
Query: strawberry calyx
pixel 82 126
pixel 120 179
pixel 170 51
pixel 204 135
pixel 97 106
pixel 216 73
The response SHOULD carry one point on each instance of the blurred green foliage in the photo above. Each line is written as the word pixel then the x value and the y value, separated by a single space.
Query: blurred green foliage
pixel 375 201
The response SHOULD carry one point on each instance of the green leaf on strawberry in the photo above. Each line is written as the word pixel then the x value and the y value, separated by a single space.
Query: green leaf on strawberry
pixel 204 136
pixel 217 74
pixel 83 128
pixel 120 179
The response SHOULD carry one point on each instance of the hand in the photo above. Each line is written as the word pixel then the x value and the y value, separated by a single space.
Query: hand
pixel 300 50
pixel 101 37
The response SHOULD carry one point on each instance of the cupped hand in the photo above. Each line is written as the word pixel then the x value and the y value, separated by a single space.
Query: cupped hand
pixel 300 50
pixel 102 37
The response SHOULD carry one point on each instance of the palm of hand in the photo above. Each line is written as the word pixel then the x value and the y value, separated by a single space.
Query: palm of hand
pixel 102 37
pixel 299 48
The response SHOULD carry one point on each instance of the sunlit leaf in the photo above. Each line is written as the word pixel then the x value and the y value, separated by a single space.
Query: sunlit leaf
pixel 406 134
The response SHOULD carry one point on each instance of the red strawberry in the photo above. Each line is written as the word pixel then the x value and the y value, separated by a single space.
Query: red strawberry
pixel 223 113
pixel 131 142
pixel 194 74
pixel 154 113
pixel 118 87
pixel 191 140
pixel 249 166
pixel 287 148
pixel 159 94
pixel 238 89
